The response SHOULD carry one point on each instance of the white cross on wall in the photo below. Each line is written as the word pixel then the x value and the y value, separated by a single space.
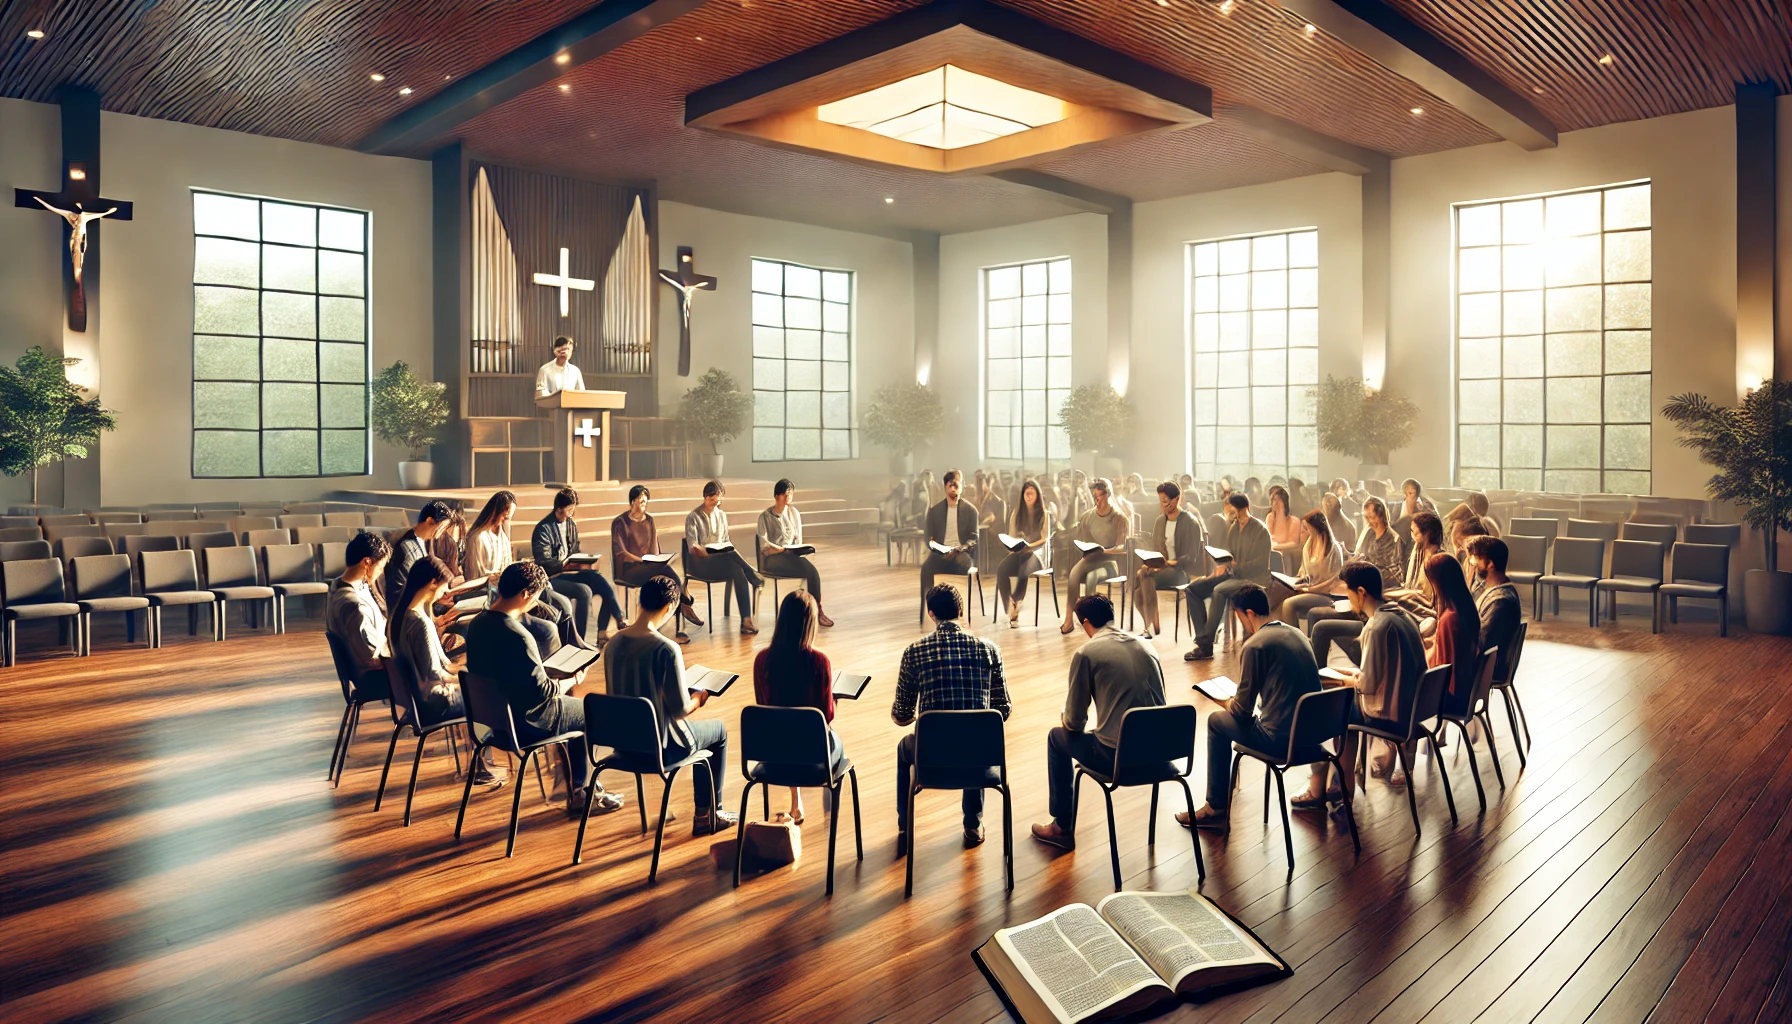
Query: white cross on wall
pixel 563 281
pixel 586 430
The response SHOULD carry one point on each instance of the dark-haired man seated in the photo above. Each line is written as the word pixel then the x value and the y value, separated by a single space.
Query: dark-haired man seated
pixel 354 615
pixel 556 539
pixel 1248 541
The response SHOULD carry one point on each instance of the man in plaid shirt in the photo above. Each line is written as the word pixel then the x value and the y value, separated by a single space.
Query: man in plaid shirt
pixel 949 670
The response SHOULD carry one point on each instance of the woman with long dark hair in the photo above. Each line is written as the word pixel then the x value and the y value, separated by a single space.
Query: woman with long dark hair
pixel 412 632
pixel 1322 558
pixel 1030 521
pixel 488 551
pixel 1456 639
pixel 791 673
pixel 633 538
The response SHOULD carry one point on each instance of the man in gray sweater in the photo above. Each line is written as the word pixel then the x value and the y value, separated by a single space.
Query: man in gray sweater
pixel 1116 672
pixel 1247 539
pixel 1276 669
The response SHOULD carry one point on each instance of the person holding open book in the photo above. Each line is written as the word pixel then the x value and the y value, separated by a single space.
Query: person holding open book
pixel 1247 541
pixel 1321 558
pixel 488 551
pixel 1275 670
pixel 781 546
pixel 640 662
pixel 712 553
pixel 1175 542
pixel 555 545
pixel 635 550
pixel 1116 672
pixel 951 534
pixel 1100 538
pixel 790 673
pixel 1031 527
pixel 412 546
pixel 355 613
pixel 414 633
pixel 1393 662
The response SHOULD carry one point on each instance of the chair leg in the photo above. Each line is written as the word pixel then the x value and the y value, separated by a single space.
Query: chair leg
pixel 1493 748
pixel 908 831
pixel 578 844
pixel 1151 825
pixel 1282 802
pixel 341 732
pixel 1449 798
pixel 8 638
pixel 540 778
pixel 1412 802
pixel 641 803
pixel 1349 808
pixel 1266 779
pixel 1523 719
pixel 1723 616
pixel 410 792
pixel 740 832
pixel 659 835
pixel 391 747
pixel 1236 759
pixel 1194 834
pixel 765 797
pixel 1473 766
pixel 833 833
pixel 467 792
pixel 1008 834
pixel 354 722
pixel 1113 837
pixel 516 801
pixel 858 831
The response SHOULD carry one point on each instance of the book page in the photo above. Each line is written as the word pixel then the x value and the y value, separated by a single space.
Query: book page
pixel 1219 689
pixel 1180 933
pixel 1075 961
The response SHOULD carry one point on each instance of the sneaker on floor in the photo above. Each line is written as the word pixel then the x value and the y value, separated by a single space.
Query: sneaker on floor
pixel 1202 652
pixel 713 822
pixel 973 837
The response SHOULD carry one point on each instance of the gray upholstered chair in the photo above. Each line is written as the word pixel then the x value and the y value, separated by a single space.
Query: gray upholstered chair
pixel 170 579
pixel 1700 571
pixel 103 584
pixel 230 575
pixel 1635 569
pixel 291 571
pixel 32 589
pixel 1580 564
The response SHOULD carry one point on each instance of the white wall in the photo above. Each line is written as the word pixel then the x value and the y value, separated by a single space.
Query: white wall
pixel 721 321
pixel 956 373
pixel 146 298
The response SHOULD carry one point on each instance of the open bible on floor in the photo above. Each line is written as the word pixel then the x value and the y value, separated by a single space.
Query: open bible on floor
pixel 1130 953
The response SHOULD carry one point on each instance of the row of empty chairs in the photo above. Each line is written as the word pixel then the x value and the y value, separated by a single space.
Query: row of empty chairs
pixel 1606 559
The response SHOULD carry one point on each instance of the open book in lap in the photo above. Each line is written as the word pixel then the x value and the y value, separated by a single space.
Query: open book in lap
pixel 1088 547
pixel 1218 554
pixel 1129 953
pixel 848 686
pixel 1012 542
pixel 568 661
pixel 716 681
pixel 1154 559
pixel 800 549
pixel 941 548
pixel 657 559
pixel 581 560
pixel 1219 689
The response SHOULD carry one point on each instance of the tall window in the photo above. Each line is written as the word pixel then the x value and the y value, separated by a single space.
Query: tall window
pixel 280 294
pixel 1026 347
pixel 1256 355
pixel 1553 341
pixel 802 363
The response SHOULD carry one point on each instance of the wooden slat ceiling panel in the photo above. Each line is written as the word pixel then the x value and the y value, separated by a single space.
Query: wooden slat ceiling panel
pixel 293 70
pixel 1205 158
pixel 1668 56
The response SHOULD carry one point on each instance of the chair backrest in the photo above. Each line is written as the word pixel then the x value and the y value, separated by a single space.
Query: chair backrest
pixel 332 558
pixel 345 664
pixel 221 514
pixel 489 714
pixel 307 508
pixel 1727 534
pixel 773 735
pixel 56 533
pixel 388 519
pixel 402 677
pixel 293 522
pixel 289 563
pixel 102 518
pixel 136 544
pixel 1595 528
pixel 165 527
pixel 270 510
pixel 1151 736
pixel 24 550
pixel 72 519
pixel 1526 553
pixel 1640 558
pixel 352 520
pixel 628 725
pixel 170 506
pixel 1660 533
pixel 244 524
pixel 1516 651
pixel 1702 563
pixel 229 566
pixel 102 576
pixel 82 547
pixel 267 538
pixel 15 522
pixel 13 534
pixel 322 534
pixel 168 515
pixel 1545 528
pixel 1319 717
pixel 167 571
pixel 32 581
pixel 1428 697
pixel 216 506
pixel 1483 681
pixel 1580 556
pixel 960 739
pixel 119 531
pixel 202 541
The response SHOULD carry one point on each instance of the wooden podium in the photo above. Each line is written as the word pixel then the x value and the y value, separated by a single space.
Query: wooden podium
pixel 582 435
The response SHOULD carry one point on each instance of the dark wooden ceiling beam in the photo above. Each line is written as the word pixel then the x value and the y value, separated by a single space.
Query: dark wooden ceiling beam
pixel 1384 35
pixel 1304 143
pixel 585 38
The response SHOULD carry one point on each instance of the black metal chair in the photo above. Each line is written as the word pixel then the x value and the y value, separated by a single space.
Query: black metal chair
pixel 971 577
pixel 409 712
pixel 488 713
pixel 709 583
pixel 772 577
pixel 1318 717
pixel 1505 685
pixel 789 747
pixel 1152 740
pixel 1424 701
pixel 1475 710
pixel 357 690
pixel 1040 578
pixel 960 750
pixel 630 727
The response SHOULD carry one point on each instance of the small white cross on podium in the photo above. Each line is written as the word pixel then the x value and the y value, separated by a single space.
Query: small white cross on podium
pixel 586 431
pixel 564 280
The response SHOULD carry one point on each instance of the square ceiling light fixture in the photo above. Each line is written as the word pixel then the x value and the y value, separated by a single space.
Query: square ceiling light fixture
pixel 954 87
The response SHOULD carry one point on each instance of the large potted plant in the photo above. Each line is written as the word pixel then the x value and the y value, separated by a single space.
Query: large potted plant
pixel 1097 419
pixel 407 412
pixel 1368 423
pixel 901 419
pixel 44 416
pixel 1751 446
pixel 715 410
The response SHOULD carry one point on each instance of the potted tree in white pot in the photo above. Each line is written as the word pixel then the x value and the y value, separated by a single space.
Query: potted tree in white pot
pixel 1751 446
pixel 1099 420
pixel 715 410
pixel 901 419
pixel 407 412
pixel 44 416
pixel 1368 423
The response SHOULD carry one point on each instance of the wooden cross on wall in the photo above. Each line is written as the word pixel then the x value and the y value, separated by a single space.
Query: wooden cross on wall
pixel 688 282
pixel 78 204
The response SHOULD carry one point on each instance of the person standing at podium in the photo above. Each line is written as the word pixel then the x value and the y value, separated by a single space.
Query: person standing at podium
pixel 561 374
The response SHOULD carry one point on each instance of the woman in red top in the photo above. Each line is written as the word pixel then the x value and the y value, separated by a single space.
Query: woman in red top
pixel 791 673
pixel 1457 639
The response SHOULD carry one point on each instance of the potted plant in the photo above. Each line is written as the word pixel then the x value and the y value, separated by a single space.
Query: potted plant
pixel 901 419
pixel 1368 423
pixel 716 410
pixel 1751 446
pixel 44 417
pixel 1098 419
pixel 407 412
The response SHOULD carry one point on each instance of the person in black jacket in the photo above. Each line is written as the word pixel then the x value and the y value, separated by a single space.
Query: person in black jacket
pixel 413 546
pixel 952 524
pixel 556 538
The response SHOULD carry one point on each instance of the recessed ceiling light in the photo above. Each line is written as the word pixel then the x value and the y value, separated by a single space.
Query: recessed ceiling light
pixel 1311 28
pixel 1538 89
pixel 35 33
pixel 77 174
pixel 406 91
pixel 889 199
pixel 1607 59
pixel 1418 110
pixel 1226 8
pixel 376 76
pixel 446 77
pixel 1163 3
pixel 564 87
pixel 563 58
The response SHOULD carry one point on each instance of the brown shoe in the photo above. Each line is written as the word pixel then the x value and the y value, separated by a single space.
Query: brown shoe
pixel 1214 822
pixel 973 837
pixel 1051 834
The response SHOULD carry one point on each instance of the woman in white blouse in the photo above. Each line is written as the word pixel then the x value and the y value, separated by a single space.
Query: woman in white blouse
pixel 781 528
pixel 489 551
pixel 1322 558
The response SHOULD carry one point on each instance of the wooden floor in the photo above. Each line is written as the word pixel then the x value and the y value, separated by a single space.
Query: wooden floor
pixel 170 851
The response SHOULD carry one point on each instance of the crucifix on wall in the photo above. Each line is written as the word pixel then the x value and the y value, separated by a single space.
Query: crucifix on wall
pixel 564 280
pixel 78 204
pixel 688 282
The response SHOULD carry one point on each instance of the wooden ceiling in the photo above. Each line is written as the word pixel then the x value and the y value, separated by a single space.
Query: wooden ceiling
pixel 300 70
